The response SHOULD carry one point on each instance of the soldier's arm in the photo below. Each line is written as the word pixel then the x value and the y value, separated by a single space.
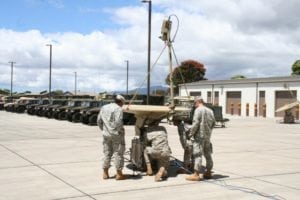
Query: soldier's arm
pixel 118 125
pixel 196 123
pixel 100 121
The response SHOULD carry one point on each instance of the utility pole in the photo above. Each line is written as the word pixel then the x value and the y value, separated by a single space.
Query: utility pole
pixel 50 69
pixel 75 83
pixel 149 47
pixel 11 78
pixel 127 67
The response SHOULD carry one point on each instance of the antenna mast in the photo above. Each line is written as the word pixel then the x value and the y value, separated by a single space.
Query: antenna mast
pixel 165 36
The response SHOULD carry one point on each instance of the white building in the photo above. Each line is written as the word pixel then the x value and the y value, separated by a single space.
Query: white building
pixel 248 97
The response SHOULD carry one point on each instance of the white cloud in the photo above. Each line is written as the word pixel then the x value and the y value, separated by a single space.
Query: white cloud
pixel 254 38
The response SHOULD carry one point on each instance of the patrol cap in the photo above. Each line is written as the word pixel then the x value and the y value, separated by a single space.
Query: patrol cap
pixel 198 98
pixel 120 98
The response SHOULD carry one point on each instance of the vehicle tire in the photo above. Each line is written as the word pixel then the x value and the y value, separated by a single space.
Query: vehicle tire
pixel 93 119
pixel 76 117
pixel 62 116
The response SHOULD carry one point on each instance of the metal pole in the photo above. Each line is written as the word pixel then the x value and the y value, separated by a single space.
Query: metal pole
pixel 75 83
pixel 11 78
pixel 149 47
pixel 127 67
pixel 50 69
pixel 171 77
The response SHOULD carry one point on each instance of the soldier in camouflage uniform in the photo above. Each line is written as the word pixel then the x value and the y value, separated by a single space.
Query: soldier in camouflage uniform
pixel 158 148
pixel 110 122
pixel 187 145
pixel 203 123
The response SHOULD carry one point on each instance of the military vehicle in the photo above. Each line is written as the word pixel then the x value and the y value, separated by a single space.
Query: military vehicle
pixel 187 116
pixel 55 104
pixel 12 106
pixel 89 116
pixel 2 103
pixel 74 114
pixel 61 112
pixel 21 105
pixel 9 106
pixel 34 109
pixel 40 110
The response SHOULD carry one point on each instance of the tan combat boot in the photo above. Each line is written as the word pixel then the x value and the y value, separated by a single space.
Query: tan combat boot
pixel 159 174
pixel 120 175
pixel 149 170
pixel 105 173
pixel 194 177
pixel 207 175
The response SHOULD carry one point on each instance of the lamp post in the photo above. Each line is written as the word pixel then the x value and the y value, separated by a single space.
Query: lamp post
pixel 127 67
pixel 149 47
pixel 75 83
pixel 11 77
pixel 50 69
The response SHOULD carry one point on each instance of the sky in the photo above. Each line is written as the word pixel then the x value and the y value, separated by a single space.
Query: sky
pixel 94 38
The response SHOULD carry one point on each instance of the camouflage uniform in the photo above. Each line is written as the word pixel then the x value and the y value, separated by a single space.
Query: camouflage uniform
pixel 110 121
pixel 186 144
pixel 203 123
pixel 157 137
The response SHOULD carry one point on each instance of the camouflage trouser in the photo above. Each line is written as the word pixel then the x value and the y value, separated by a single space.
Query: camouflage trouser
pixel 188 159
pixel 186 145
pixel 202 147
pixel 114 145
pixel 163 160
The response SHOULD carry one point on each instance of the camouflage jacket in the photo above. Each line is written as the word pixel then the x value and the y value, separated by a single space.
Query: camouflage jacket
pixel 110 119
pixel 157 138
pixel 203 123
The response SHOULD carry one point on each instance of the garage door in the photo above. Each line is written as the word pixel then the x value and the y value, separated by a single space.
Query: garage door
pixel 233 101
pixel 285 97
pixel 262 102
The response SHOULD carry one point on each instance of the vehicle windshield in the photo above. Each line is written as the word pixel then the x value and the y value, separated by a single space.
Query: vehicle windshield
pixel 77 103
pixel 95 104
pixel 43 101
pixel 85 103
pixel 71 103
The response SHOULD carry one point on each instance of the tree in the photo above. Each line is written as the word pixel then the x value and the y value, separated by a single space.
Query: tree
pixel 58 92
pixel 189 71
pixel 4 91
pixel 296 68
pixel 237 77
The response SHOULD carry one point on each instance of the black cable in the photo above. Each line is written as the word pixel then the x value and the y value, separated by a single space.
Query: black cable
pixel 245 190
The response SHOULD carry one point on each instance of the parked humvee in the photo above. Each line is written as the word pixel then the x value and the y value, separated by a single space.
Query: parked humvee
pixel 33 109
pixel 61 112
pixel 74 114
pixel 55 104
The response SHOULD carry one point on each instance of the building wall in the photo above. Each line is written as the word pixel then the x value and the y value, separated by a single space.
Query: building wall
pixel 249 94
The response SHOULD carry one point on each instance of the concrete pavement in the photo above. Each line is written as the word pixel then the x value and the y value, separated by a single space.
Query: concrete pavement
pixel 57 160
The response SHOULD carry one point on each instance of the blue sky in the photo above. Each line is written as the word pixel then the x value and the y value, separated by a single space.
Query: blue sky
pixel 254 38
pixel 83 16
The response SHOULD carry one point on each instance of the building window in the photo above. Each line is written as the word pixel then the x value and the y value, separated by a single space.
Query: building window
pixel 194 94
pixel 209 97
pixel 216 98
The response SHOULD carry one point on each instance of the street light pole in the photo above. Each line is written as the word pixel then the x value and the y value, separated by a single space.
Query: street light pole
pixel 11 77
pixel 75 83
pixel 149 47
pixel 50 69
pixel 127 67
